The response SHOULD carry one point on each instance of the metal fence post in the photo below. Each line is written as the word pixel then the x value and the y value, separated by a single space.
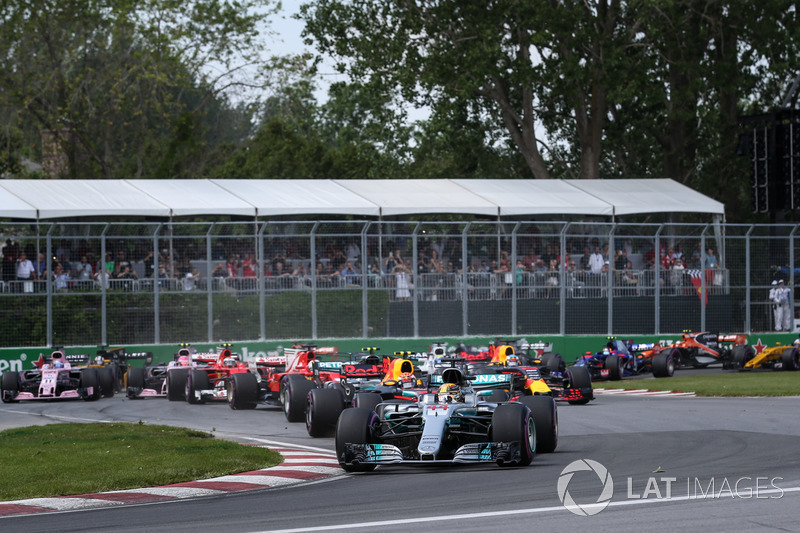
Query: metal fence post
pixel 313 254
pixel 364 282
pixel 464 278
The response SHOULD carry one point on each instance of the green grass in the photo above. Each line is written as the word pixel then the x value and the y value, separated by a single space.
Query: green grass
pixel 62 459
pixel 766 383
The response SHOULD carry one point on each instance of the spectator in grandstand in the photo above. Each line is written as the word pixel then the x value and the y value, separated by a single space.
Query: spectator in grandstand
pixel 63 260
pixel 249 266
pixel 596 261
pixel 40 266
pixel 61 278
pixel 84 270
pixel 25 272
pixel 190 280
pixel 403 280
pixel 219 271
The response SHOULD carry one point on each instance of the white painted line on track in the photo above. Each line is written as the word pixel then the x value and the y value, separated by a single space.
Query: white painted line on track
pixel 491 514
pixel 292 446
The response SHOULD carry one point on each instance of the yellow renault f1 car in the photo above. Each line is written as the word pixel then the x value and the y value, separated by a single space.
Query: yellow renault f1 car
pixel 780 357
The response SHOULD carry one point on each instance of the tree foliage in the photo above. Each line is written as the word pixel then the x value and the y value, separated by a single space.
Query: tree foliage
pixel 129 88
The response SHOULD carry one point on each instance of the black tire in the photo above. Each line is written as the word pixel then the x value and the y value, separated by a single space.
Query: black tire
pixel 512 422
pixel 579 378
pixel 89 378
pixel 323 408
pixel 355 426
pixel 741 355
pixel 790 359
pixel 614 365
pixel 196 380
pixel 135 377
pixel 496 396
pixel 663 364
pixel 367 400
pixel 553 362
pixel 242 391
pixel 9 383
pixel 105 376
pixel 294 397
pixel 545 419
pixel 176 384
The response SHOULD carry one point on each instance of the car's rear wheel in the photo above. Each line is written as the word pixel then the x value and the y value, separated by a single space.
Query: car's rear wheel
pixel 196 380
pixel 367 400
pixel 553 362
pixel 136 378
pixel 176 384
pixel 293 397
pixel 614 366
pixel 495 396
pixel 663 364
pixel 741 355
pixel 105 376
pixel 578 377
pixel 9 386
pixel 790 359
pixel 545 419
pixel 512 422
pixel 89 379
pixel 242 391
pixel 355 426
pixel 322 411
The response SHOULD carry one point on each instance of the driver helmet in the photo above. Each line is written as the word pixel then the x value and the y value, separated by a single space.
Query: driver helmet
pixel 58 363
pixel 450 392
pixel 229 362
pixel 512 360
pixel 606 351
pixel 796 343
pixel 98 360
pixel 183 360
pixel 407 380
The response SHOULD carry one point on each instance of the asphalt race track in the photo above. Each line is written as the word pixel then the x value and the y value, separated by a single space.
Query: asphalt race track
pixel 673 463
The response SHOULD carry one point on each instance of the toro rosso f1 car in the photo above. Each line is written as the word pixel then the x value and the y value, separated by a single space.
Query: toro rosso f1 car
pixel 54 378
pixel 618 359
pixel 451 424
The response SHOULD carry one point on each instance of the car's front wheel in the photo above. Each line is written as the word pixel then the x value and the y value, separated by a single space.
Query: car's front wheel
pixel 355 426
pixel 512 422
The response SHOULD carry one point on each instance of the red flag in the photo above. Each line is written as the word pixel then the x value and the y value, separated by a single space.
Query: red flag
pixel 697 282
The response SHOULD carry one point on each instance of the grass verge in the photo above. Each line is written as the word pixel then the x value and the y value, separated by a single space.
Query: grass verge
pixel 63 459
pixel 766 383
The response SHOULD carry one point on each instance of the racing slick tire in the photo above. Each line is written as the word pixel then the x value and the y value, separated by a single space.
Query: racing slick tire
pixel 579 378
pixel 614 364
pixel 10 383
pixel 294 393
pixel 553 362
pixel 196 380
pixel 545 420
pixel 105 376
pixel 242 391
pixel 741 355
pixel 790 359
pixel 323 408
pixel 176 384
pixel 367 400
pixel 89 378
pixel 355 426
pixel 135 381
pixel 495 396
pixel 663 364
pixel 512 422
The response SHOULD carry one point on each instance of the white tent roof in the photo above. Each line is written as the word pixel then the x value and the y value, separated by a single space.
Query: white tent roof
pixel 537 197
pixel 631 197
pixel 51 199
pixel 194 197
pixel 412 197
pixel 299 197
pixel 88 198
pixel 13 206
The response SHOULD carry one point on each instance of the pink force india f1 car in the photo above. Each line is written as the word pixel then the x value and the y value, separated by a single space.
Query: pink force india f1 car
pixel 53 378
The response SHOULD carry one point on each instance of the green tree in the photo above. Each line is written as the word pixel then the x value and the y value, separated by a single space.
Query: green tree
pixel 125 87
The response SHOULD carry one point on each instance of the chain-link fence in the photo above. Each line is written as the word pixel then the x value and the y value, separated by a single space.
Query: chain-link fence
pixel 118 283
